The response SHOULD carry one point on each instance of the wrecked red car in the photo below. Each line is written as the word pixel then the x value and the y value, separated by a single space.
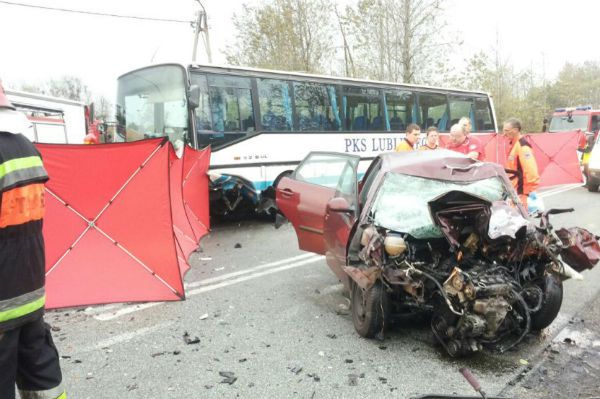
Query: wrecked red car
pixel 434 232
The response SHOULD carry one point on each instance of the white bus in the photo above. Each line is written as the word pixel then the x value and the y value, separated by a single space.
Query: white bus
pixel 260 124
pixel 53 119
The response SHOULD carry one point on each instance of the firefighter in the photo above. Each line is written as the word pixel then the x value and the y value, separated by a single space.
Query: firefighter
pixel 525 177
pixel 28 357
pixel 413 131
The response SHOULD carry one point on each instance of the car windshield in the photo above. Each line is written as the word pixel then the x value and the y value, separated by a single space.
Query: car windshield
pixel 566 124
pixel 401 202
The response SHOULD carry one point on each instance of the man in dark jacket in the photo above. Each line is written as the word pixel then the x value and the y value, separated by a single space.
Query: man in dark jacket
pixel 28 356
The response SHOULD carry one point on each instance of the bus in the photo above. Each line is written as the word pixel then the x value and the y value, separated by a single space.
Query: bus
pixel 261 123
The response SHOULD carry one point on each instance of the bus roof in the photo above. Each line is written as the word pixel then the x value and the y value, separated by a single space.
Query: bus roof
pixel 290 74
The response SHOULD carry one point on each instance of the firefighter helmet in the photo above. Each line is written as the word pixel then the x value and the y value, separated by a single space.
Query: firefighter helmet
pixel 4 103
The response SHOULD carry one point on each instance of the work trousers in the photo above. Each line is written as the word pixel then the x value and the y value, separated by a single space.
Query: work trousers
pixel 29 358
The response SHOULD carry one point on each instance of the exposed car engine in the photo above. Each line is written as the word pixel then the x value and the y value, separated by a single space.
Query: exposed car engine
pixel 492 278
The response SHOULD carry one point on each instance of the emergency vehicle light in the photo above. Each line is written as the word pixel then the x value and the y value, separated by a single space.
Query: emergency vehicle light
pixel 584 108
pixel 560 110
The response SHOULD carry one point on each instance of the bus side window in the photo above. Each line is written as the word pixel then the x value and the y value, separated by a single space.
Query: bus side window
pixel 362 109
pixel 433 111
pixel 399 106
pixel 462 106
pixel 231 103
pixel 314 108
pixel 275 105
pixel 483 115
pixel 203 120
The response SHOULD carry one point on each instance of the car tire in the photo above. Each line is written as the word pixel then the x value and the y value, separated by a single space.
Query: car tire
pixel 552 288
pixel 592 186
pixel 370 309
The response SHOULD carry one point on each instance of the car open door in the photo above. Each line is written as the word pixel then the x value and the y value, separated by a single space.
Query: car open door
pixel 303 196
pixel 341 212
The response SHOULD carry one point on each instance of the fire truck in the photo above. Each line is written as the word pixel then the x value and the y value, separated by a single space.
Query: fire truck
pixel 53 119
pixel 585 120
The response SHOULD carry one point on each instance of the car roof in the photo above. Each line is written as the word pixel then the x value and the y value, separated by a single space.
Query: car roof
pixel 439 164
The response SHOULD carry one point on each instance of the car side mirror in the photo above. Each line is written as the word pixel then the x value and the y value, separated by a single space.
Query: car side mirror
pixel 339 204
pixel 194 96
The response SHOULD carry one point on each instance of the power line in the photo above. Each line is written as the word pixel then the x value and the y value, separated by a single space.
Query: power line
pixel 94 13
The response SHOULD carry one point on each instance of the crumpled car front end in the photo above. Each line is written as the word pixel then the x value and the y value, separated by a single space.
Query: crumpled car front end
pixel 462 252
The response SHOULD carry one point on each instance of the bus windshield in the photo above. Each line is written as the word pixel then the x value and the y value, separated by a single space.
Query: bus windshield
pixel 567 124
pixel 152 102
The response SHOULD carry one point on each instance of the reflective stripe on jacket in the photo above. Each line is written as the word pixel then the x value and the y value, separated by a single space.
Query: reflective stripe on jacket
pixel 22 262
pixel 521 160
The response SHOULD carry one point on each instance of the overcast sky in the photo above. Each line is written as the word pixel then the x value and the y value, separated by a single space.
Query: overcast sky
pixel 37 44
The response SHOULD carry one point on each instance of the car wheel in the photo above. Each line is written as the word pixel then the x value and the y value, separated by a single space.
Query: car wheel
pixel 592 185
pixel 553 294
pixel 370 309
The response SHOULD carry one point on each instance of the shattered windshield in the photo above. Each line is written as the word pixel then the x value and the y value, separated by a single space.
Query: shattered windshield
pixel 401 202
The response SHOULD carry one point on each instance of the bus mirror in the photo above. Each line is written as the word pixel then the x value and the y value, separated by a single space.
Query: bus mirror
pixel 194 96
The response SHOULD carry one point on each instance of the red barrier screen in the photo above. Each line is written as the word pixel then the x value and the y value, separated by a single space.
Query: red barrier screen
pixel 113 214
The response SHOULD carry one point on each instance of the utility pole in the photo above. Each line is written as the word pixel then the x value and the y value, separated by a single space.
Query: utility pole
pixel 201 25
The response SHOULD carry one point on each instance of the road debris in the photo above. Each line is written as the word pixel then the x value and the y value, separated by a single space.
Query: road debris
pixel 228 377
pixel 238 245
pixel 188 340
pixel 352 380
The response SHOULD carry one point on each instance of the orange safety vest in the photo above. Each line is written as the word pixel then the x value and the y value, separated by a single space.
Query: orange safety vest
pixel 521 159
pixel 404 146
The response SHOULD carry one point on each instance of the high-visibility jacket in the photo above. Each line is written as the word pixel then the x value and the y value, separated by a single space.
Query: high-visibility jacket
pixel 521 159
pixel 22 178
pixel 404 146
pixel 425 147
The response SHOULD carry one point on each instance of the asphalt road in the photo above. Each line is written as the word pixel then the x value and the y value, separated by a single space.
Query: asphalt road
pixel 277 319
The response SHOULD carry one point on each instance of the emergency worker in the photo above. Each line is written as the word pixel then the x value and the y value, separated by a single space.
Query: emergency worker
pixel 28 357
pixel 464 144
pixel 431 139
pixel 526 178
pixel 465 123
pixel 413 131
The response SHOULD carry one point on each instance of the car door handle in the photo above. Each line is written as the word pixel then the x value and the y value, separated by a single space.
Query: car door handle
pixel 286 193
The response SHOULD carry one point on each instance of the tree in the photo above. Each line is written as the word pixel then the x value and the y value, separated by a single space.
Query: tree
pixel 399 40
pixel 515 93
pixel 67 86
pixel 292 35
pixel 576 85
pixel 71 87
